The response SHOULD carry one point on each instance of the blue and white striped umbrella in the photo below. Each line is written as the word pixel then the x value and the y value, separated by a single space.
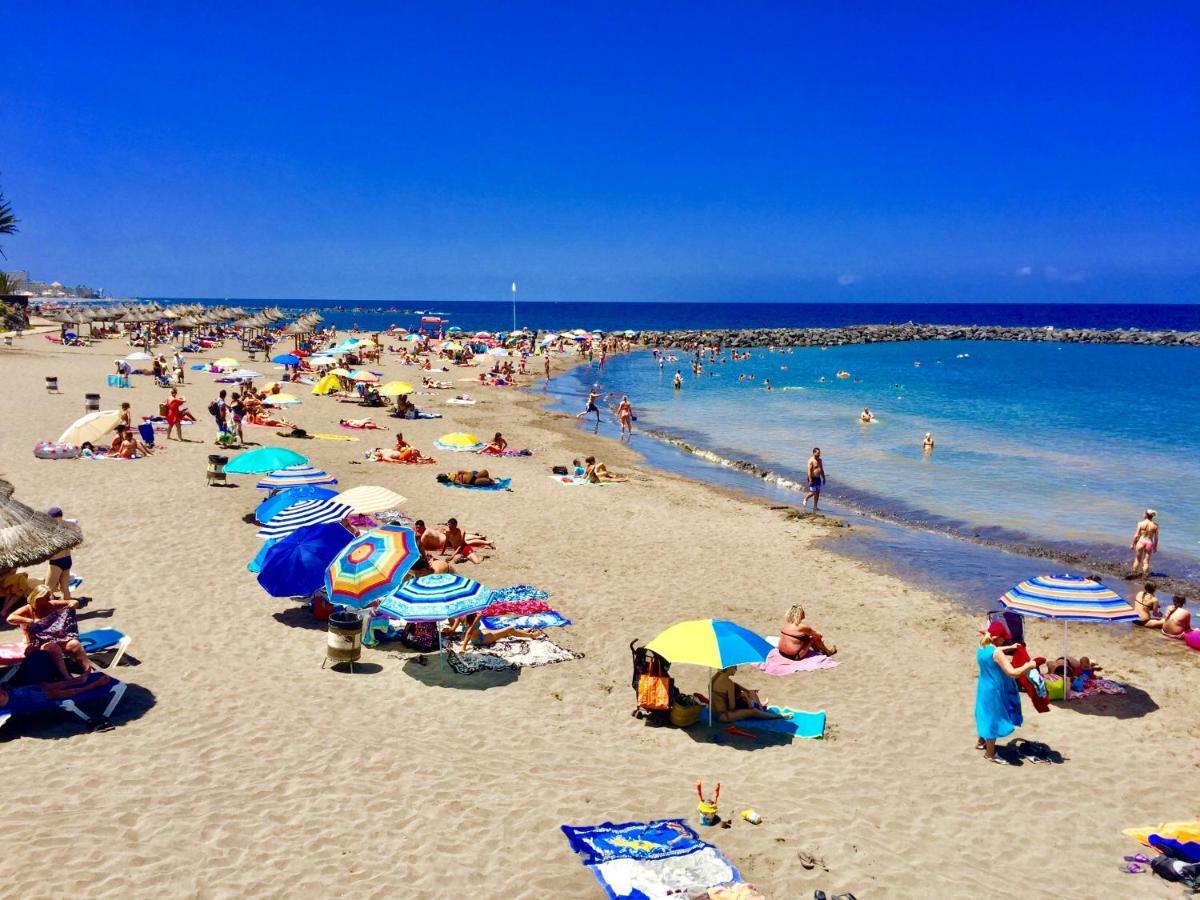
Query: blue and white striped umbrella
pixel 301 515
pixel 293 476
pixel 434 597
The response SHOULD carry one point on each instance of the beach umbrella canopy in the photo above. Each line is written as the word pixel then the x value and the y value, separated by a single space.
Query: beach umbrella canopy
pixel 139 356
pixel 264 459
pixel 370 498
pixel 451 346
pixel 295 565
pixel 281 400
pixel 344 373
pixel 285 498
pixel 497 351
pixel 395 389
pixel 226 362
pixel 363 375
pixel 715 643
pixel 286 359
pixel 243 374
pixel 294 476
pixel 90 428
pixel 458 441
pixel 28 536
pixel 453 329
pixel 301 515
pixel 432 598
pixel 371 566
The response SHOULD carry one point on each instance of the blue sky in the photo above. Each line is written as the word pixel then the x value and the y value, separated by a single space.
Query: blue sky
pixel 692 151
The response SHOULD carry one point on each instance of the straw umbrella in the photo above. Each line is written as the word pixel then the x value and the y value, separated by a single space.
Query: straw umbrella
pixel 28 537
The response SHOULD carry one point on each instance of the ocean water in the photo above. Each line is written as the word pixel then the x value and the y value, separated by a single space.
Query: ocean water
pixel 1037 445
pixel 497 316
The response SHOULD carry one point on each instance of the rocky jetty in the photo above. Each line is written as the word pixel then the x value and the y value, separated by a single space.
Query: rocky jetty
pixel 911 331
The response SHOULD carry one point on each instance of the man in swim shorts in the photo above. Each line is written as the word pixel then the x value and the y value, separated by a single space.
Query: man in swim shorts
pixel 816 479
pixel 1145 543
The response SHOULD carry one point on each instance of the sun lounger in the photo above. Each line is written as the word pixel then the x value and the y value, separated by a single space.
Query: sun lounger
pixel 100 640
pixel 105 685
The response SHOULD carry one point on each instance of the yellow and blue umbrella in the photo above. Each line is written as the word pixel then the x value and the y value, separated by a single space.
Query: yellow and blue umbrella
pixel 371 567
pixel 432 598
pixel 458 441
pixel 715 643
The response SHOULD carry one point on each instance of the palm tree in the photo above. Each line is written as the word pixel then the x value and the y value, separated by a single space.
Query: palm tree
pixel 8 222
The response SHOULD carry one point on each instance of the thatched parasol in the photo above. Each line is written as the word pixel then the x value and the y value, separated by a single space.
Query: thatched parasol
pixel 28 537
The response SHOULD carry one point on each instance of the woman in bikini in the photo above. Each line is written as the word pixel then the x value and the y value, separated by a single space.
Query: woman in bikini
pixel 59 578
pixel 48 626
pixel 497 446
pixel 731 702
pixel 625 415
pixel 797 640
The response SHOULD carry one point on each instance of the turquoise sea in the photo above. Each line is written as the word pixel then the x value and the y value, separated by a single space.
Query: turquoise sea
pixel 1048 446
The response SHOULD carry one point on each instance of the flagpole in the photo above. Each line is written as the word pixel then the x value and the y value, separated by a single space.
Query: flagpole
pixel 514 298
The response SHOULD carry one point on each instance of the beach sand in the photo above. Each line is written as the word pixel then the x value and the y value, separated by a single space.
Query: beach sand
pixel 240 768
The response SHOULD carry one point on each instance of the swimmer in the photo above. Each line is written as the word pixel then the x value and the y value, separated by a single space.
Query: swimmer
pixel 927 444
pixel 866 416
pixel 678 380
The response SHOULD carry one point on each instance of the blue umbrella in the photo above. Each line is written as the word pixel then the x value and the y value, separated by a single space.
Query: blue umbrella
pixel 301 515
pixel 431 598
pixel 289 496
pixel 287 359
pixel 264 459
pixel 295 566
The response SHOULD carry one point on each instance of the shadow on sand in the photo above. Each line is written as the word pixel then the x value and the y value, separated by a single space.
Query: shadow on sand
pixel 58 724
pixel 1133 704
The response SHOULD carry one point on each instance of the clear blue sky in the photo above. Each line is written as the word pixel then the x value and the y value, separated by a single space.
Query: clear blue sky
pixel 691 151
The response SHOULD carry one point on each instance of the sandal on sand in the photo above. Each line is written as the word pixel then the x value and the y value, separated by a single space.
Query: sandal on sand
pixel 1132 868
pixel 1138 858
pixel 998 760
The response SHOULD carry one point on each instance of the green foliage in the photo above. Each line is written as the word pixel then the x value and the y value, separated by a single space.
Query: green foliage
pixel 8 222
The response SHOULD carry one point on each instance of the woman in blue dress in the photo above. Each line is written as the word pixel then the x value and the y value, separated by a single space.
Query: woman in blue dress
pixel 997 700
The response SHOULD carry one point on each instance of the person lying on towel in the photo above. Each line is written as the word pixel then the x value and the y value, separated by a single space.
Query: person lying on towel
pixel 474 636
pixel 473 478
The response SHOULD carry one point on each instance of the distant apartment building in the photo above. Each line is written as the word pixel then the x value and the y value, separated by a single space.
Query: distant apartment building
pixel 55 290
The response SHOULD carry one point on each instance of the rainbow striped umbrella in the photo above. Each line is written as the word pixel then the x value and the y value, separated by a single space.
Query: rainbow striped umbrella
pixel 293 476
pixel 1069 598
pixel 371 566
pixel 432 598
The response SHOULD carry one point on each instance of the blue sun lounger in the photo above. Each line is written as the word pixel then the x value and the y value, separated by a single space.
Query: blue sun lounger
pixel 106 686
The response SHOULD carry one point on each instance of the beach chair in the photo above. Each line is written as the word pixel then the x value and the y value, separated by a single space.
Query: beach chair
pixel 110 687
pixel 95 643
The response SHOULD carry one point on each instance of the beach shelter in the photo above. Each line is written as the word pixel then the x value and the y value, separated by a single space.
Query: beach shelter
pixel 369 498
pixel 264 459
pixel 294 566
pixel 714 643
pixel 371 566
pixel 395 389
pixel 294 476
pixel 285 498
pixel 497 351
pixel 90 428
pixel 327 385
pixel 1068 598
pixel 29 536
pixel 1181 838
pixel 301 515
pixel 459 442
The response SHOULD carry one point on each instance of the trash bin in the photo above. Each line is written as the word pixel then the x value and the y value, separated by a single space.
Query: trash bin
pixel 52 384
pixel 91 403
pixel 344 641
pixel 216 469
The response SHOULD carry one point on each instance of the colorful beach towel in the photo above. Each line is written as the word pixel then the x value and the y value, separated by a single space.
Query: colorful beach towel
pixel 653 860
pixel 574 479
pixel 801 724
pixel 501 485
pixel 486 452
pixel 1097 686
pixel 509 653
pixel 547 619
pixel 781 665
pixel 514 594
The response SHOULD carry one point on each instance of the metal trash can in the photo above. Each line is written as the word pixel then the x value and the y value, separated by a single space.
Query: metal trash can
pixel 216 469
pixel 52 385
pixel 344 641
pixel 91 403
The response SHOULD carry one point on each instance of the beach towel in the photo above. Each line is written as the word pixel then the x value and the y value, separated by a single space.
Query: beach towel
pixel 489 452
pixel 423 461
pixel 777 664
pixel 501 485
pixel 460 401
pixel 1097 686
pixel 574 479
pixel 509 653
pixel 801 724
pixel 653 860
pixel 546 619
pixel 516 593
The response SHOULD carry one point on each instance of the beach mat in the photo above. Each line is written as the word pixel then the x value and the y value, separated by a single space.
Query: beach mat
pixel 780 665
pixel 547 619
pixel 801 724
pixel 574 479
pixel 652 860
pixel 509 653
pixel 501 485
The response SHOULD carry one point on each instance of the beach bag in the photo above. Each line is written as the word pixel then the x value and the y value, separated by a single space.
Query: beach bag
pixel 420 636
pixel 654 688
pixel 213 409
pixel 559 470
pixel 685 711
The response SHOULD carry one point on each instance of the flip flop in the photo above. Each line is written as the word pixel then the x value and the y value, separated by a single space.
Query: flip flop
pixel 1138 858
pixel 1132 868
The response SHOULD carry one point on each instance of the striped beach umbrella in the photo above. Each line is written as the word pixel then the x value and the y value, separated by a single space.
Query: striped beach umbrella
pixel 264 459
pixel 301 515
pixel 370 498
pixel 283 499
pixel 293 476
pixel 1068 598
pixel 371 567
pixel 459 442
pixel 432 598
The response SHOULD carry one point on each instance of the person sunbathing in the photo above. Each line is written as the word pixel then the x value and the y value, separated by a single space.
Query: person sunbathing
pixel 261 417
pixel 472 478
pixel 358 423
pixel 1074 667
pixel 474 635
pixel 797 640
pixel 597 472
pixel 49 624
pixel 426 566
pixel 34 696
pixel 731 702
pixel 404 452
pixel 462 546
pixel 1145 604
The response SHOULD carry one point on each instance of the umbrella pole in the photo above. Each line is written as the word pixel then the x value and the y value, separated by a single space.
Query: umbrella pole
pixel 441 653
pixel 710 697
pixel 1066 666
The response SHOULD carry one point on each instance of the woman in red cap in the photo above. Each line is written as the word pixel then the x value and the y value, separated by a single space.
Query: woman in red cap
pixel 997 700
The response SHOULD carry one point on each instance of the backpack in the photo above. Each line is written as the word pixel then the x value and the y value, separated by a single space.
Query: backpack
pixel 652 684
pixel 213 409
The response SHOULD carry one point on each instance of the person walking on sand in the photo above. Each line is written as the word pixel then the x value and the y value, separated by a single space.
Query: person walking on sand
pixel 58 580
pixel 625 414
pixel 176 410
pixel 1145 543
pixel 997 699
pixel 816 479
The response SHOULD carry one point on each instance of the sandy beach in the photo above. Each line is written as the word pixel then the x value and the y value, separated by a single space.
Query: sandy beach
pixel 240 768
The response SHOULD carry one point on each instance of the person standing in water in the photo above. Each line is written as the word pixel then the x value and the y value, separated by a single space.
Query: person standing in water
pixel 816 479
pixel 678 380
pixel 1145 543
pixel 625 415
pixel 927 444
pixel 593 396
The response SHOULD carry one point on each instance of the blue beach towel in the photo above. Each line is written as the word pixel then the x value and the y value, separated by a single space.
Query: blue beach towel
pixel 500 485
pixel 801 724
pixel 198 368
pixel 517 592
pixel 535 620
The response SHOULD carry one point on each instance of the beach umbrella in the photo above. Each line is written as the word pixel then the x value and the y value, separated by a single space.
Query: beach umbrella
pixel 715 643
pixel 453 329
pixel 451 346
pixel 285 498
pixel 226 362
pixel 343 373
pixel 363 375
pixel 1068 598
pixel 264 459
pixel 369 498
pixel 286 359
pixel 139 356
pixel 395 389
pixel 432 598
pixel 281 400
pixel 497 351
pixel 482 334
pixel 243 374
pixel 29 536
pixel 91 427
pixel 294 476
pixel 458 442
pixel 294 566
pixel 371 566
pixel 301 515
